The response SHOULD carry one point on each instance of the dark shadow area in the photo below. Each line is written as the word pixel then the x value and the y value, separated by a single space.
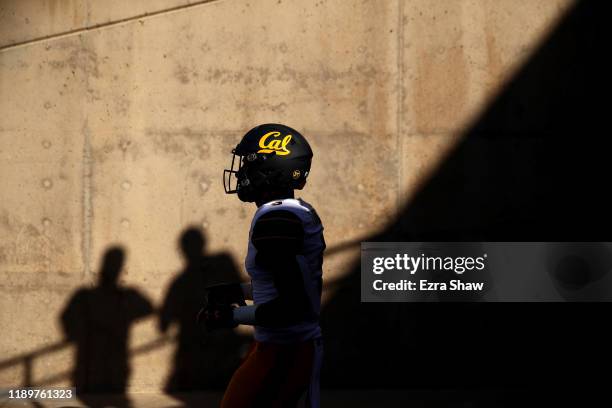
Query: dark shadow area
pixel 574 267
pixel 202 361
pixel 97 320
pixel 535 167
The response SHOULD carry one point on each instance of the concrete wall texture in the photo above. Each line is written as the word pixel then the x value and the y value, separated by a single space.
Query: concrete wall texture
pixel 117 119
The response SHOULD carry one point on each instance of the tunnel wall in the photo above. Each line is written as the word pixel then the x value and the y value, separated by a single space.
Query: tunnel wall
pixel 117 121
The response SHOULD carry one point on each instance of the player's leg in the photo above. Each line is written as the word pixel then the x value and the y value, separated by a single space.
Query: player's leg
pixel 249 379
pixel 297 376
pixel 273 375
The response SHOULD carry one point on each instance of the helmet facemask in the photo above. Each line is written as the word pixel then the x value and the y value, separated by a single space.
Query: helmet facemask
pixel 247 176
pixel 231 175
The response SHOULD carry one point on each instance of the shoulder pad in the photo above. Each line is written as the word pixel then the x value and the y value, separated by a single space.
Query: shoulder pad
pixel 278 230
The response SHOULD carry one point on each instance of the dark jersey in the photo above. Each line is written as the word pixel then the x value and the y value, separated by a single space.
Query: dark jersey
pixel 284 261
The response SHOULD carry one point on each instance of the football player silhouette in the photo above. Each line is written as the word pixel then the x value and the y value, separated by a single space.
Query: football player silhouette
pixel 284 261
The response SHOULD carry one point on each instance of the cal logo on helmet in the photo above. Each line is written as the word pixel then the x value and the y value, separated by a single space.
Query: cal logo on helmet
pixel 270 143
pixel 269 157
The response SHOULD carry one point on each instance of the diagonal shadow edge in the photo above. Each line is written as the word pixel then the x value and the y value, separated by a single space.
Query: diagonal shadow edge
pixel 532 168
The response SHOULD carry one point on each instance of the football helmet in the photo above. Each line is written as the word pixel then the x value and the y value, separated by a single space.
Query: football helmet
pixel 269 157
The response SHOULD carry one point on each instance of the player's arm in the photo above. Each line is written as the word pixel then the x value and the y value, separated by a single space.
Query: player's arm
pixel 278 237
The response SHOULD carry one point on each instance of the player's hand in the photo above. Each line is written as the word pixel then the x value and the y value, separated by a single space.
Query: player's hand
pixel 217 317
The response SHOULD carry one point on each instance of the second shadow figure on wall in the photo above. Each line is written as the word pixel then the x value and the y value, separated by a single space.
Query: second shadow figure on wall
pixel 201 361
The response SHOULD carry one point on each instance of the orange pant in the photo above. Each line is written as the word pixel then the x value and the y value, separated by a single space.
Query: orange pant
pixel 272 375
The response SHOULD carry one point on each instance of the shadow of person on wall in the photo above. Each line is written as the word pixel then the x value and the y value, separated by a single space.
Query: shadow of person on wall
pixel 97 320
pixel 202 361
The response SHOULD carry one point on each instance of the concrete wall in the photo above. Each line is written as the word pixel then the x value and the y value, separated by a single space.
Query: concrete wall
pixel 115 128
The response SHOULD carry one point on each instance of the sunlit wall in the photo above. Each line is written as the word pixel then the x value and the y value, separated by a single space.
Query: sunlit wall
pixel 117 120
